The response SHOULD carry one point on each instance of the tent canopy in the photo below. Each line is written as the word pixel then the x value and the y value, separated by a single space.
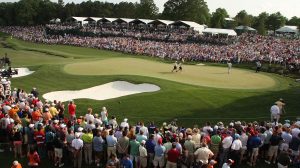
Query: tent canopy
pixel 247 28
pixel 287 29
pixel 93 19
pixel 189 24
pixel 141 21
pixel 123 20
pixel 228 32
pixel 159 21
pixel 78 19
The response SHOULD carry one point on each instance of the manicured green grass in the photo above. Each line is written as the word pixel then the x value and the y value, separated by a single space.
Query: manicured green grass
pixel 192 74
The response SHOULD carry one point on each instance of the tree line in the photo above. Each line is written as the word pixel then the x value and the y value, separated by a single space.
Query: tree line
pixel 36 12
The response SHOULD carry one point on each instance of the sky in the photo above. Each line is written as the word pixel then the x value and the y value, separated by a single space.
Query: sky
pixel 288 8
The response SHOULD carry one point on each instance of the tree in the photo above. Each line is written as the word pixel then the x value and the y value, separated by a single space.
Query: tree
pixel 218 18
pixel 260 23
pixel 197 11
pixel 125 10
pixel 275 21
pixel 147 9
pixel 173 9
pixel 242 18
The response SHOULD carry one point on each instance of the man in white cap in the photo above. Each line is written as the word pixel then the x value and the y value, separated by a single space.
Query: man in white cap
pixel 124 124
pixel 143 154
pixel 77 145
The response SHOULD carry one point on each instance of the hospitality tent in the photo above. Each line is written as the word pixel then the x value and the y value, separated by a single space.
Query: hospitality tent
pixel 161 22
pixel 57 20
pixel 141 21
pixel 287 29
pixel 215 31
pixel 80 20
pixel 188 24
pixel 242 29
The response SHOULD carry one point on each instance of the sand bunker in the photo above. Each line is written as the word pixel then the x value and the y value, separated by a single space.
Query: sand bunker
pixel 102 92
pixel 22 72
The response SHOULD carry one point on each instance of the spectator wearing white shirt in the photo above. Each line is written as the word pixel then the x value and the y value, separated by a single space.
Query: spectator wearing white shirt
pixel 111 143
pixel 236 148
pixel 226 144
pixel 275 113
pixel 144 129
pixel 77 145
pixel 124 124
pixel 89 116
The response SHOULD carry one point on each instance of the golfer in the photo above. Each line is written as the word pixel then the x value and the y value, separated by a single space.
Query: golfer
pixel 258 66
pixel 180 66
pixel 229 64
pixel 175 67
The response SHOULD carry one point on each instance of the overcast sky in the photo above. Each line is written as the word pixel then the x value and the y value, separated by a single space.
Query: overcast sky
pixel 288 8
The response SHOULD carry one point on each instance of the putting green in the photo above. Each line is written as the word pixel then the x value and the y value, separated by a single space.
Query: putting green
pixel 209 76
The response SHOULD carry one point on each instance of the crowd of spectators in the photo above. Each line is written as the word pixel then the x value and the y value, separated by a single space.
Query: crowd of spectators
pixel 247 48
pixel 44 130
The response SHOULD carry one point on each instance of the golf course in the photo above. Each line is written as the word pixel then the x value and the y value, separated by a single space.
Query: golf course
pixel 193 96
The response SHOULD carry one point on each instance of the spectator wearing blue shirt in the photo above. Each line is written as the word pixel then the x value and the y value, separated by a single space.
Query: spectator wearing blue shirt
pixel 159 152
pixel 126 162
pixel 98 143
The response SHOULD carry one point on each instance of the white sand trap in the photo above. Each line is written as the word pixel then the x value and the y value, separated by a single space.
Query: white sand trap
pixel 102 92
pixel 22 72
pixel 200 64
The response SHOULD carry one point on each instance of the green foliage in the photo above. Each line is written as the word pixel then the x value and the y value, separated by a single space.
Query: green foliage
pixel 218 18
pixel 147 9
pixel 260 23
pixel 242 18
pixel 191 10
pixel 275 21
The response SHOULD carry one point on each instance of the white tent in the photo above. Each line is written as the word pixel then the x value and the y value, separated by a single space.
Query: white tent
pixel 78 19
pixel 247 28
pixel 228 32
pixel 190 24
pixel 287 29
pixel 165 22
pixel 96 19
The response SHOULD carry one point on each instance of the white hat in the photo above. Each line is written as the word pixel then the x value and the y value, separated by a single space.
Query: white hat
pixel 231 124
pixel 55 121
pixel 62 125
pixel 77 135
pixel 15 163
pixel 216 127
pixel 31 125
pixel 11 120
pixel 104 108
pixel 80 129
pixel 46 109
pixel 189 137
pixel 238 123
pixel 143 142
pixel 125 119
pixel 101 128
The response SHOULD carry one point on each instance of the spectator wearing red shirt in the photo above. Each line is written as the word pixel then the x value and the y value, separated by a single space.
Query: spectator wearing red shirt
pixel 39 137
pixel 173 156
pixel 72 110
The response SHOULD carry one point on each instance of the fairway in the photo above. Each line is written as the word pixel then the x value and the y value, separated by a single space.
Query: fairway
pixel 208 76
